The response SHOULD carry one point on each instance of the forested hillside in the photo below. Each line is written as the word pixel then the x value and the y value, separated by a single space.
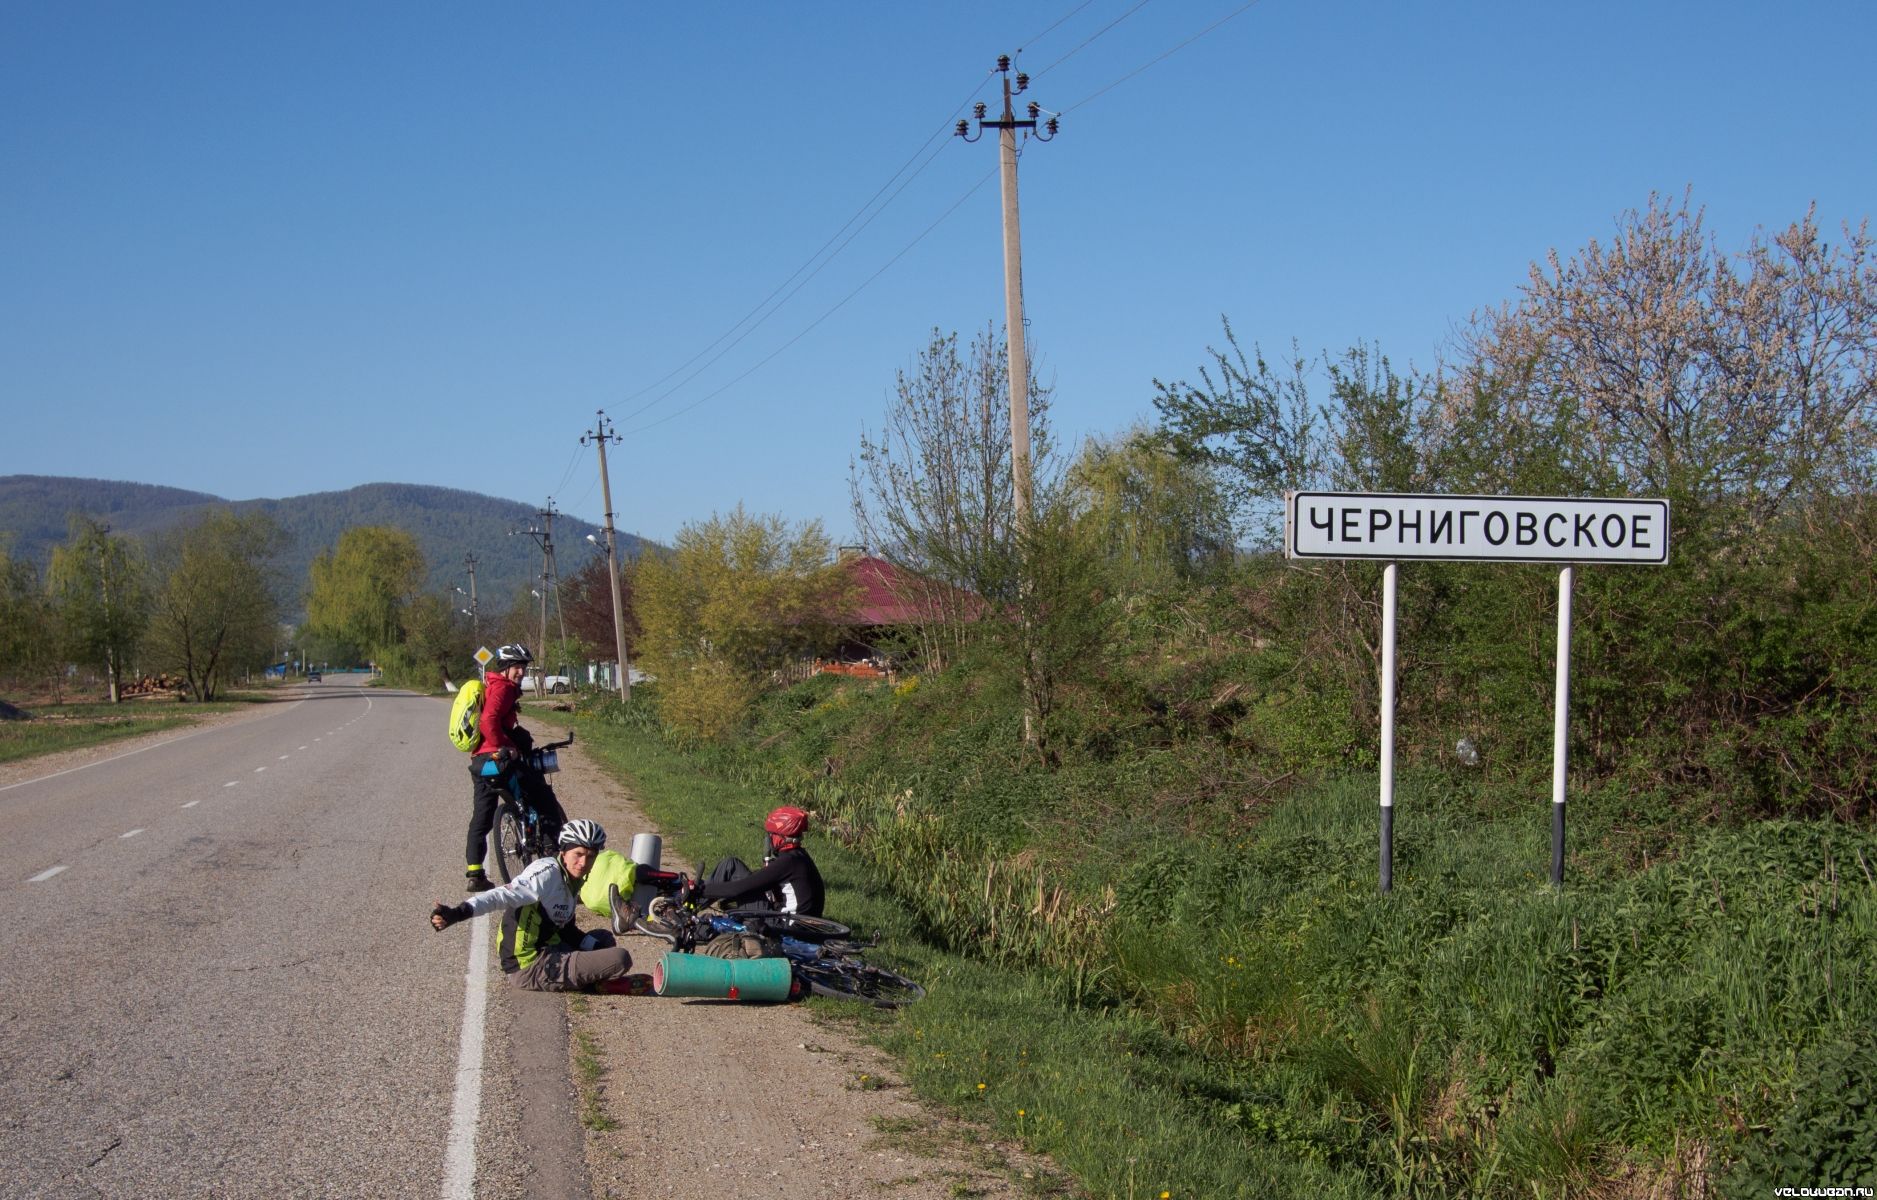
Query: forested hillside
pixel 447 523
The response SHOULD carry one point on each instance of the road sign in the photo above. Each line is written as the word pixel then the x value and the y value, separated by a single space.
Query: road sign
pixel 483 655
pixel 1402 526
pixel 1393 526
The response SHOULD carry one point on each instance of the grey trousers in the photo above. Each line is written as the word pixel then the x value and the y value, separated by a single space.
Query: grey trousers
pixel 558 970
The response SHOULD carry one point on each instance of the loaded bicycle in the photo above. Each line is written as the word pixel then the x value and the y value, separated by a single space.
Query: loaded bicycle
pixel 823 955
pixel 519 836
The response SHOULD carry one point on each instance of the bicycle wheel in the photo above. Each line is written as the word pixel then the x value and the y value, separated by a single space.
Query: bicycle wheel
pixel 843 980
pixel 511 842
pixel 795 925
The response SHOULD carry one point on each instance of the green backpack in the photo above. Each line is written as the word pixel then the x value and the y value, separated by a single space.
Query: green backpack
pixel 466 717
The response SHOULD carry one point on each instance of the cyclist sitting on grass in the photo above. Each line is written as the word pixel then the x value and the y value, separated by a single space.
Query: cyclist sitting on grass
pixel 787 882
pixel 541 948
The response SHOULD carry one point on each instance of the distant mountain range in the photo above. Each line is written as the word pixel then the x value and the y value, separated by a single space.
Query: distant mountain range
pixel 448 525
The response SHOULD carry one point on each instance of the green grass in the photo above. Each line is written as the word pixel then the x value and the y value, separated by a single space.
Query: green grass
pixel 1244 1012
pixel 589 1071
pixel 76 726
pixel 1091 1081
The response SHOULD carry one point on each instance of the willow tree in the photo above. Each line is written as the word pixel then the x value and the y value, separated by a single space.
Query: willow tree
pixel 1155 518
pixel 361 591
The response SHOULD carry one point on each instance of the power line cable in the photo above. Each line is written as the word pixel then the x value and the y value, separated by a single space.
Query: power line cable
pixel 1059 20
pixel 941 132
pixel 568 474
pixel 668 393
pixel 956 204
pixel 1158 58
pixel 1091 37
pixel 923 234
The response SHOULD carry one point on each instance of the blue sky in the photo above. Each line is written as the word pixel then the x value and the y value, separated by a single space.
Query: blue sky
pixel 265 250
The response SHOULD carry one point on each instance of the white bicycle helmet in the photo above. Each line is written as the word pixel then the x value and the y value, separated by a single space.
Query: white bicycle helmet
pixel 512 655
pixel 582 832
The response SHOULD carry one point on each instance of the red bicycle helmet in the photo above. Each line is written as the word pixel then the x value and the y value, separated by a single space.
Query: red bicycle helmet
pixel 786 823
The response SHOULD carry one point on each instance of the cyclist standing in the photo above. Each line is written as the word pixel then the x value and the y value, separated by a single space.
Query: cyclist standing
pixel 500 756
pixel 541 948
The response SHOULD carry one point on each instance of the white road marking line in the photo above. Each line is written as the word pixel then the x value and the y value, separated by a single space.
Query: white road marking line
pixel 132 833
pixel 192 804
pixel 285 757
pixel 231 783
pixel 303 747
pixel 459 1161
pixel 258 770
pixel 48 873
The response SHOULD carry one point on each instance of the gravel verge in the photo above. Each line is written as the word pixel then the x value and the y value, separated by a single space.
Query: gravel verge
pixel 701 1099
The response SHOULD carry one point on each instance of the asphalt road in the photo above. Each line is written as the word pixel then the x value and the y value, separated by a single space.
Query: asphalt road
pixel 215 976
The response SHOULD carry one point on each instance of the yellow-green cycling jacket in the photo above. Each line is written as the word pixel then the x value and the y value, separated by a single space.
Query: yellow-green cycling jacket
pixel 538 905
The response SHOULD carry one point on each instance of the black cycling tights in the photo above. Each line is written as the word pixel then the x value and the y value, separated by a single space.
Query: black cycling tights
pixel 488 794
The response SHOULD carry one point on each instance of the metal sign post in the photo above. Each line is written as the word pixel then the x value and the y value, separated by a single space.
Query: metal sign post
pixel 1561 725
pixel 1388 726
pixel 1392 526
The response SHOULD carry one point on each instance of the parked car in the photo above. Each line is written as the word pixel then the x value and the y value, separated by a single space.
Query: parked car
pixel 314 676
pixel 557 684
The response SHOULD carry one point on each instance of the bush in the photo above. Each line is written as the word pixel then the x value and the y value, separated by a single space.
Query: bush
pixel 1825 1138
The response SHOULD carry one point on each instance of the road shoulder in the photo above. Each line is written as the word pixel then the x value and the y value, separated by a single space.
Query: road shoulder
pixel 704 1099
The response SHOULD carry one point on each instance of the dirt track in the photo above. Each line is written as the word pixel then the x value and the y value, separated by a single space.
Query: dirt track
pixel 715 1098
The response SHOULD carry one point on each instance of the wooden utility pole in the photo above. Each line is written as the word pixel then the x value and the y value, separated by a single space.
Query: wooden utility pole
pixel 599 436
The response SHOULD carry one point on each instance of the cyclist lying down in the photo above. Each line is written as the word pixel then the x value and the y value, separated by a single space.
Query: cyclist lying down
pixel 541 948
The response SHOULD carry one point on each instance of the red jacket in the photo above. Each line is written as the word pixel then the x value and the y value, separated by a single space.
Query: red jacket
pixel 499 698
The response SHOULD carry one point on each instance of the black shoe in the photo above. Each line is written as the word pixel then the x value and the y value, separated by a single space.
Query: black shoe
pixel 476 881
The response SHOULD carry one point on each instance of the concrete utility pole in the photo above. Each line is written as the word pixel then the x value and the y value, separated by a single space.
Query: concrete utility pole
pixel 475 623
pixel 547 578
pixel 599 436
pixel 544 535
pixel 1019 361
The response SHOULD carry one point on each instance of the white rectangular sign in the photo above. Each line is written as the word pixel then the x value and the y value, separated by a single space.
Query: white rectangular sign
pixel 1396 525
